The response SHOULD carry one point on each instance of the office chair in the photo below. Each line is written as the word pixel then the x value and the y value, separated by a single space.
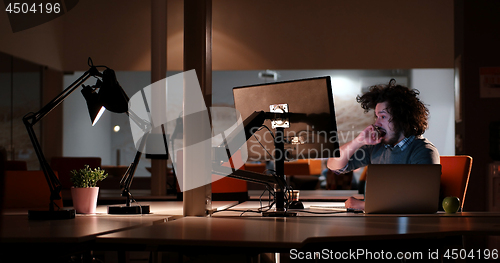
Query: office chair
pixel 455 172
pixel 230 189
pixel 27 189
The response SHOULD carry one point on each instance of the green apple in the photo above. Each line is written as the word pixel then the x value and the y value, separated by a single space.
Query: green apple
pixel 451 204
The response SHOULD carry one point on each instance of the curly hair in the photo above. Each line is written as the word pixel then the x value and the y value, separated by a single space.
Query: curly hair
pixel 409 114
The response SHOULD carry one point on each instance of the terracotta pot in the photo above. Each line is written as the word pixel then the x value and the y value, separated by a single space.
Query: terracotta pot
pixel 85 199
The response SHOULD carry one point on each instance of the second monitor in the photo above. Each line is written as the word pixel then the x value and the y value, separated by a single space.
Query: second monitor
pixel 310 128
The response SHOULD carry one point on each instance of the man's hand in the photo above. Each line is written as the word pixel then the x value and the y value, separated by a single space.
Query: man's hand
pixel 369 136
pixel 354 203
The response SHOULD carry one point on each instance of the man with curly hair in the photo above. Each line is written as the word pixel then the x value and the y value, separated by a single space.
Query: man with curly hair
pixel 395 137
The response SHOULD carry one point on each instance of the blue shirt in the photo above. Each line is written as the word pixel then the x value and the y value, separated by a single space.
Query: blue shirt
pixel 410 150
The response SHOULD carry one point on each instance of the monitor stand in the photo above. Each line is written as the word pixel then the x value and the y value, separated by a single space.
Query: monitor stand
pixel 279 163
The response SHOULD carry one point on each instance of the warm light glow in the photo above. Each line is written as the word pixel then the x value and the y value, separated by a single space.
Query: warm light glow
pixel 101 111
pixel 116 128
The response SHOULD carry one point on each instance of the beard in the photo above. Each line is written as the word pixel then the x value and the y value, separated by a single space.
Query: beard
pixel 394 139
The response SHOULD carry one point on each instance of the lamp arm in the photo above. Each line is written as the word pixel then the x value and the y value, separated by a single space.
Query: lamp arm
pixel 143 124
pixel 127 178
pixel 52 180
pixel 62 96
pixel 31 119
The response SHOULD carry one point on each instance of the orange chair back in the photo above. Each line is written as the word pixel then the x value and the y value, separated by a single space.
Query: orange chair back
pixel 230 185
pixel 455 172
pixel 303 167
pixel 315 166
pixel 27 189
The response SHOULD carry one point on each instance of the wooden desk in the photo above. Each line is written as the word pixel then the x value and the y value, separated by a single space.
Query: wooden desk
pixel 18 229
pixel 171 208
pixel 46 239
pixel 159 208
pixel 258 235
pixel 53 240
pixel 227 231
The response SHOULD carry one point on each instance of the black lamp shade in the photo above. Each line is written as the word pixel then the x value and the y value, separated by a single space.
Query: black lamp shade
pixel 93 103
pixel 111 94
pixel 110 97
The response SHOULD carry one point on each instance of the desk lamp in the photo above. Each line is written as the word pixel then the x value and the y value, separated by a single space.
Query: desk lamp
pixel 113 98
pixel 106 94
pixel 126 180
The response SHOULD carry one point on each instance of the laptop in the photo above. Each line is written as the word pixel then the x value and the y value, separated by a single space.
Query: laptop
pixel 399 189
pixel 402 188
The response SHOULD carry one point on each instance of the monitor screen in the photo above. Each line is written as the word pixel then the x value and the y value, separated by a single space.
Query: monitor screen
pixel 310 131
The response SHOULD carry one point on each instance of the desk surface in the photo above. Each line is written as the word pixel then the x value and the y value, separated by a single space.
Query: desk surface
pixel 166 208
pixel 271 234
pixel 225 231
pixel 250 208
pixel 17 228
pixel 229 230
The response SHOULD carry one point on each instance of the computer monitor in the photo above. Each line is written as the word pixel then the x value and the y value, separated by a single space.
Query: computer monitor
pixel 310 131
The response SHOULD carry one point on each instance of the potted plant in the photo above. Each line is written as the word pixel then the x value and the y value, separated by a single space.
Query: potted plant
pixel 85 191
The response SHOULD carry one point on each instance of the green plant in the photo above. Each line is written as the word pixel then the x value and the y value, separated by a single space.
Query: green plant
pixel 87 177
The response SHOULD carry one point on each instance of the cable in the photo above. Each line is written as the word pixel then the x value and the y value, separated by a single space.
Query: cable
pixel 91 64
pixel 319 213
pixel 265 126
pixel 272 135
pixel 272 158
pixel 267 206
pixel 260 198
pixel 288 193
pixel 259 210
pixel 135 201
pixel 236 210
pixel 282 186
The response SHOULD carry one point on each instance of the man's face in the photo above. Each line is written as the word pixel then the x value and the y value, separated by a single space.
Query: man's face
pixel 384 124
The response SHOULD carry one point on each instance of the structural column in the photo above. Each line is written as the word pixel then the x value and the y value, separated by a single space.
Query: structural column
pixel 158 72
pixel 198 56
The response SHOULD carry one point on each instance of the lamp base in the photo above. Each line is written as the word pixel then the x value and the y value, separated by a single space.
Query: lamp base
pixel 51 215
pixel 122 210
